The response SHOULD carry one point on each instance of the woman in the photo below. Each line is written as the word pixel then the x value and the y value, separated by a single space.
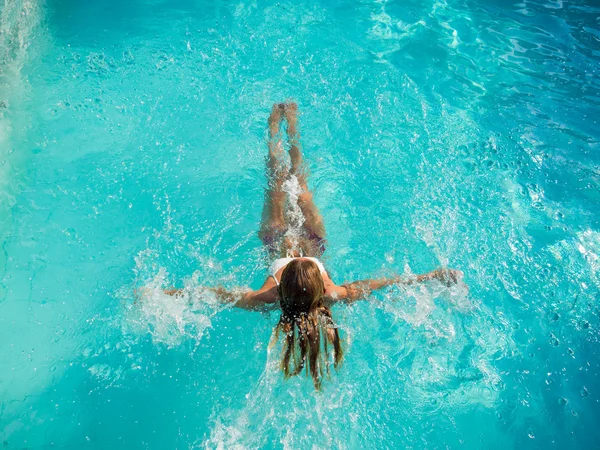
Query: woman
pixel 298 280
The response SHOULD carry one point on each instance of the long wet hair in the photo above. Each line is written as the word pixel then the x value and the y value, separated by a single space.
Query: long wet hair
pixel 306 323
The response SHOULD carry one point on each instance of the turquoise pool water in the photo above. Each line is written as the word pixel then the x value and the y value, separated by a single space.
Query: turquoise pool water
pixel 455 133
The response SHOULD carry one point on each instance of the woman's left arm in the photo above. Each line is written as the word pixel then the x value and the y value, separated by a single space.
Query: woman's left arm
pixel 360 290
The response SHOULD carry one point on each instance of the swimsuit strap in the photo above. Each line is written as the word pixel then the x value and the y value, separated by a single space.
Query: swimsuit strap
pixel 282 262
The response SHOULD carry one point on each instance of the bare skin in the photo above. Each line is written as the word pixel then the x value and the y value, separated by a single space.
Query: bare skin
pixel 312 239
pixel 273 224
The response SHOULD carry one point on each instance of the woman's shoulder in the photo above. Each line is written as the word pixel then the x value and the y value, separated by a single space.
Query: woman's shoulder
pixel 332 290
pixel 335 293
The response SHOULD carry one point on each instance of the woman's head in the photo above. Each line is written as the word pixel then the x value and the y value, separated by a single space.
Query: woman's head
pixel 301 287
pixel 306 322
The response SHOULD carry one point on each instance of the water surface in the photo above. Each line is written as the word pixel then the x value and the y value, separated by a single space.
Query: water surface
pixel 458 133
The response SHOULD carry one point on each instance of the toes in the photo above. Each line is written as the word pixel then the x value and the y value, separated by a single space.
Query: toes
pixel 278 108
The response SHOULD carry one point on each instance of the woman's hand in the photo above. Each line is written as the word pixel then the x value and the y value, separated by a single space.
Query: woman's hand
pixel 446 276
pixel 173 292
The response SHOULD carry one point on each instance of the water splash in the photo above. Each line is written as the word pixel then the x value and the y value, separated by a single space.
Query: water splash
pixel 293 213
pixel 171 319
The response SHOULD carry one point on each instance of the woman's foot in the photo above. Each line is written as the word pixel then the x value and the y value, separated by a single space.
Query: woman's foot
pixel 275 118
pixel 275 165
pixel 291 115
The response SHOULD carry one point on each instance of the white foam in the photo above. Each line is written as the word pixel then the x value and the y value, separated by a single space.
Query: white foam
pixel 571 253
pixel 293 214
pixel 299 416
pixel 447 318
pixel 171 319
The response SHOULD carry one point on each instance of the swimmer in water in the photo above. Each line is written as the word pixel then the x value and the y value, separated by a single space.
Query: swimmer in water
pixel 298 282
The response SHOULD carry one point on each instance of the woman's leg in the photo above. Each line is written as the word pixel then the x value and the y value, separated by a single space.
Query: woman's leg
pixel 273 224
pixel 313 221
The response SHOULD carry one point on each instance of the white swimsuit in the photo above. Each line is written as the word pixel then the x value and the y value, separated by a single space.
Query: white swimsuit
pixel 282 262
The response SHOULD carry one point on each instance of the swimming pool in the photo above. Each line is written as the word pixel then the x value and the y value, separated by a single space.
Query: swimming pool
pixel 455 133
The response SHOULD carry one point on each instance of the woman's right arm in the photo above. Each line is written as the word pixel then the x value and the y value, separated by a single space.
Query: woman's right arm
pixel 246 299
pixel 261 299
